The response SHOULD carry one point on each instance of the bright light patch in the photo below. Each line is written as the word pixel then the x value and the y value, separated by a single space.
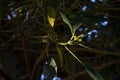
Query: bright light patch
pixel 56 78
pixel 93 1
pixel 104 23
pixel 8 17
pixel 80 29
pixel 13 14
pixel 42 77
pixel 86 29
pixel 95 31
pixel 105 17
pixel 91 33
pixel 27 16
pixel 96 36
pixel 84 8
pixel 96 24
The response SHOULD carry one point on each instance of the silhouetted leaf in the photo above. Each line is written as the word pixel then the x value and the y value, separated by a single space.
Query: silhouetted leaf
pixel 49 68
pixel 94 74
pixel 66 21
pixel 60 55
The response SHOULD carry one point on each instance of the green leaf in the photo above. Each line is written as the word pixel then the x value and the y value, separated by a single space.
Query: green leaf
pixel 51 21
pixel 51 16
pixel 53 64
pixel 76 26
pixel 66 21
pixel 60 53
pixel 94 74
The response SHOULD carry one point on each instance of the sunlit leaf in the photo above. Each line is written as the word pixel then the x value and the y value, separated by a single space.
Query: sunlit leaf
pixel 94 74
pixel 66 21
pixel 51 16
pixel 51 21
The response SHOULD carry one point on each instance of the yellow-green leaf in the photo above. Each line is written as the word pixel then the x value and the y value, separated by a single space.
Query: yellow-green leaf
pixel 51 21
pixel 51 16
pixel 66 21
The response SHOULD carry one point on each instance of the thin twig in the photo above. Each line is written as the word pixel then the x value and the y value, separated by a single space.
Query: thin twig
pixel 38 61
pixel 25 53
pixel 10 40
pixel 93 51
pixel 98 51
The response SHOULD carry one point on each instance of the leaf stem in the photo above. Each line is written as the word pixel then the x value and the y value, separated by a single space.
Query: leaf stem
pixel 74 55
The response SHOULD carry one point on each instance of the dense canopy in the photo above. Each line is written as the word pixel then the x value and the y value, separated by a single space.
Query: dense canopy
pixel 59 39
